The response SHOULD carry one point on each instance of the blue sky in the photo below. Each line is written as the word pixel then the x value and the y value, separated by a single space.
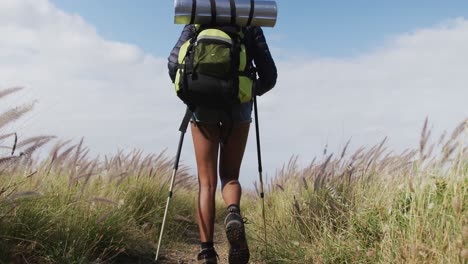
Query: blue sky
pixel 329 28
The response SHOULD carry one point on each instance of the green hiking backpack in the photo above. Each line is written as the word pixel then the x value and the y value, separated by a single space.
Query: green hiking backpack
pixel 214 70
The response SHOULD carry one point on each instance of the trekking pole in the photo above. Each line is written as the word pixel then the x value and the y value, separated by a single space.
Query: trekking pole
pixel 260 170
pixel 182 129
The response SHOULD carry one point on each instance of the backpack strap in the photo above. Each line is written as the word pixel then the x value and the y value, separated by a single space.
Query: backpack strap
pixel 251 14
pixel 194 10
pixel 213 12
pixel 233 12
pixel 188 64
pixel 250 70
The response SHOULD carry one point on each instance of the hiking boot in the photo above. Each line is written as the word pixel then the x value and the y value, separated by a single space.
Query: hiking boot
pixel 207 256
pixel 235 233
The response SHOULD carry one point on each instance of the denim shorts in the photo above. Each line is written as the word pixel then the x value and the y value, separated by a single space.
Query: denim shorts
pixel 238 114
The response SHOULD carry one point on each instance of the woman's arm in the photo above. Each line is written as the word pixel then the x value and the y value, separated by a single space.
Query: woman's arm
pixel 264 63
pixel 187 33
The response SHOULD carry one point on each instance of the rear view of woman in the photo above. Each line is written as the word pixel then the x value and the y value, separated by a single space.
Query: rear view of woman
pixel 221 135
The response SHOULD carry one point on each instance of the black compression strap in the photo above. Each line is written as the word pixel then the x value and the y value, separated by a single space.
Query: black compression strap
pixel 233 12
pixel 252 9
pixel 194 10
pixel 213 12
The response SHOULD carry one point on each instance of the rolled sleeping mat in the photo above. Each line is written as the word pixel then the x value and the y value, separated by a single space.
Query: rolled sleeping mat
pixel 226 12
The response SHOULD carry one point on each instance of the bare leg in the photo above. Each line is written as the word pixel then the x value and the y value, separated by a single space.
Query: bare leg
pixel 206 144
pixel 230 162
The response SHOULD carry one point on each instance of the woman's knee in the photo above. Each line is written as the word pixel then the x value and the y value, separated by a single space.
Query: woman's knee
pixel 208 187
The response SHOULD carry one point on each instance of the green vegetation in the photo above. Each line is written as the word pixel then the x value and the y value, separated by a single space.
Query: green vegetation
pixel 371 206
pixel 375 207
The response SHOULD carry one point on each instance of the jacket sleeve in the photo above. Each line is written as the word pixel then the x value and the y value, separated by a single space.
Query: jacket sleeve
pixel 187 33
pixel 266 68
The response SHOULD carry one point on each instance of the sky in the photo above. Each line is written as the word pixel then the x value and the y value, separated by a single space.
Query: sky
pixel 357 70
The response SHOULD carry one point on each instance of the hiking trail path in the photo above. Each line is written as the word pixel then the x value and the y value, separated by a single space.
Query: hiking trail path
pixel 185 253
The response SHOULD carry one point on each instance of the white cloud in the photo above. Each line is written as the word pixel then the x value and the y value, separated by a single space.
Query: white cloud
pixel 115 95
pixel 387 92
pixel 112 93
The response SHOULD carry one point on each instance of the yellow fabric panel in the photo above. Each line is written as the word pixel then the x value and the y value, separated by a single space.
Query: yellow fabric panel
pixel 245 89
pixel 177 79
pixel 243 58
pixel 183 52
pixel 214 33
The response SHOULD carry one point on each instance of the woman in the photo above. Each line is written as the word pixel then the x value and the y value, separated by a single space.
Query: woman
pixel 217 133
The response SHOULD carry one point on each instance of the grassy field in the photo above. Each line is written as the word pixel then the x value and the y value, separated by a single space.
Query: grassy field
pixel 370 206
pixel 374 207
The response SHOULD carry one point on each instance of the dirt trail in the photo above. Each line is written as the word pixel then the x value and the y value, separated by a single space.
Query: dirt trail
pixel 184 253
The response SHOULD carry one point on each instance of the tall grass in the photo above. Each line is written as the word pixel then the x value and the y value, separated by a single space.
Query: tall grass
pixel 373 207
pixel 70 208
pixel 369 206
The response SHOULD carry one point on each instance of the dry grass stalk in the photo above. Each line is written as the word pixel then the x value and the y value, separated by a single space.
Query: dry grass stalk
pixel 106 163
pixel 17 195
pixel 320 179
pixel 33 140
pixel 103 217
pixel 14 145
pixel 64 155
pixel 75 180
pixel 140 170
pixel 14 114
pixel 104 200
pixel 257 191
pixel 38 144
pixel 183 218
pixel 306 185
pixel 122 178
pixel 89 174
pixel 185 180
pixel 118 175
pixel 296 205
pixel 84 166
pixel 448 150
pixel 136 155
pixel 376 153
pixel 54 153
pixel 280 187
pixel 2 137
pixel 459 129
pixel 7 160
pixel 84 155
pixel 55 149
pixel 9 91
pixel 424 138
pixel 74 161
pixel 343 153
pixel 441 138
pixel 429 152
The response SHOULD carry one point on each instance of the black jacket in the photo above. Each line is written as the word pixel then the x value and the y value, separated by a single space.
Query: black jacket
pixel 257 50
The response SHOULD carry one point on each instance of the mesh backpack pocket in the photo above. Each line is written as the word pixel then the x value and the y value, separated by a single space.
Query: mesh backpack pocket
pixel 213 57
